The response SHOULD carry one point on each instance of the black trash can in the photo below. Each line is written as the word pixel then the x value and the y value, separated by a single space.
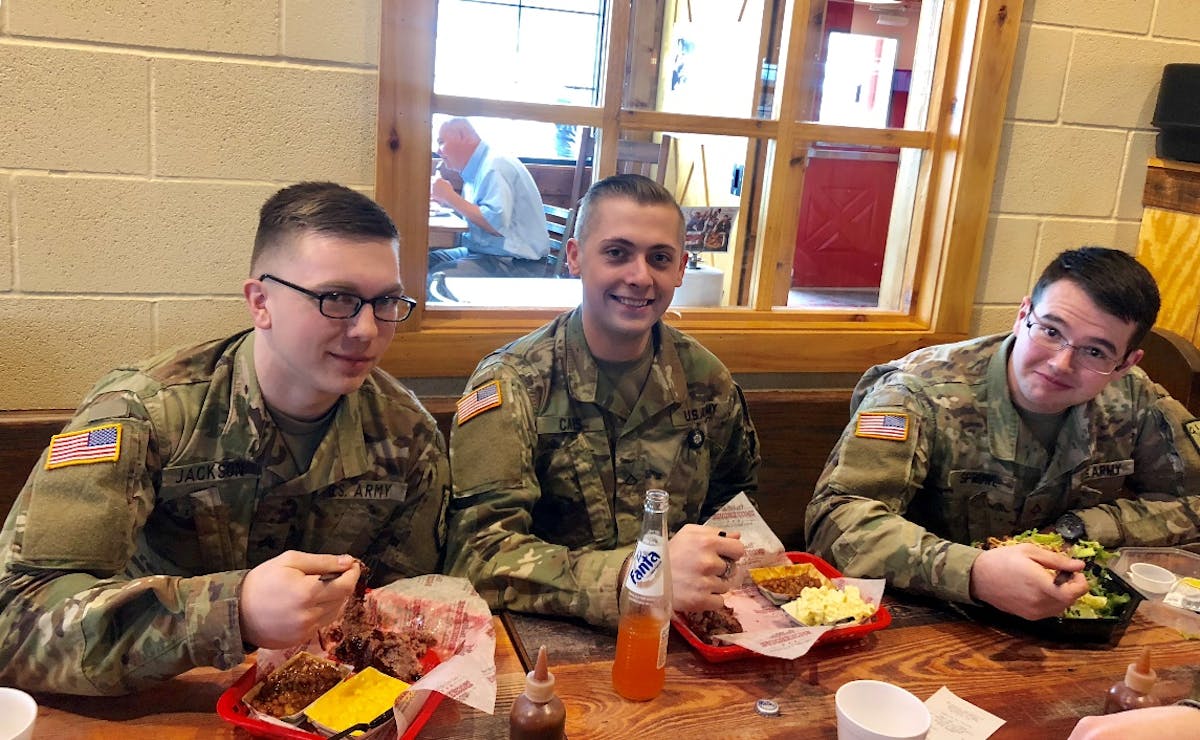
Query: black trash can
pixel 1177 113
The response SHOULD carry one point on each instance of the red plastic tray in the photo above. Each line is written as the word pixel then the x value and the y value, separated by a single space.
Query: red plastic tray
pixel 722 653
pixel 231 709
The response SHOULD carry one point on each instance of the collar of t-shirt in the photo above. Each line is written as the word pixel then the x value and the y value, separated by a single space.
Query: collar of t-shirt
pixel 1043 427
pixel 619 384
pixel 301 436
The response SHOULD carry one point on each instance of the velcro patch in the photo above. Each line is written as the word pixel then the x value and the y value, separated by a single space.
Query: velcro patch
pixel 86 446
pixel 483 398
pixel 1193 432
pixel 882 425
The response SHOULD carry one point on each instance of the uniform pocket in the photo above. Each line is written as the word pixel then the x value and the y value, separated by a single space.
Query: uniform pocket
pixel 1100 483
pixel 81 515
pixel 573 508
pixel 356 517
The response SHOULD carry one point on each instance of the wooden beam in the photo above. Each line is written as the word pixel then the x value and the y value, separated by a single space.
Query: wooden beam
pixel 404 133
pixel 1171 187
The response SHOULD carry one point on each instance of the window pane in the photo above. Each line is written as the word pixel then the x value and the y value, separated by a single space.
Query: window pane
pixel 855 219
pixel 711 56
pixel 875 65
pixel 520 265
pixel 543 52
pixel 530 140
pixel 706 174
pixel 712 178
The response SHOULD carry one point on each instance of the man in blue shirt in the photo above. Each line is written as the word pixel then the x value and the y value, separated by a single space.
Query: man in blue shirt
pixel 506 226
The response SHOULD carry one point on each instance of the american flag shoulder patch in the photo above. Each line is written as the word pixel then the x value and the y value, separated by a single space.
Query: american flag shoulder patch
pixel 483 398
pixel 93 445
pixel 882 425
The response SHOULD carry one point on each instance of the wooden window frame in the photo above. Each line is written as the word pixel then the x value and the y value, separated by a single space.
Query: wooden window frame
pixel 976 47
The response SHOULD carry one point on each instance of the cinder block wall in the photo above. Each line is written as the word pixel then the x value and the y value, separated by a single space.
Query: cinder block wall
pixel 139 140
pixel 1077 136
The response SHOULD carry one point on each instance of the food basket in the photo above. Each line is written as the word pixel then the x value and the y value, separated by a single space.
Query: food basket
pixel 232 709
pixel 723 653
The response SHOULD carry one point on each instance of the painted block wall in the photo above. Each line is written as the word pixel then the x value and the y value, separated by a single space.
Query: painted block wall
pixel 140 139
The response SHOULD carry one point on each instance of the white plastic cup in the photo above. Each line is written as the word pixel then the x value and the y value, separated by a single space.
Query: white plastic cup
pixel 18 711
pixel 877 710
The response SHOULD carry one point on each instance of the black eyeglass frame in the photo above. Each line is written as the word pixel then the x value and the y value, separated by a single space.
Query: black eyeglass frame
pixel 1062 344
pixel 321 298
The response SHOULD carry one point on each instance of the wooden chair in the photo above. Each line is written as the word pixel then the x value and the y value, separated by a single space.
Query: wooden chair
pixel 560 222
pixel 1174 363
pixel 639 157
pixel 644 158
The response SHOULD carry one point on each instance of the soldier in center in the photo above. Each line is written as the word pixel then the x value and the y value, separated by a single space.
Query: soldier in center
pixel 562 431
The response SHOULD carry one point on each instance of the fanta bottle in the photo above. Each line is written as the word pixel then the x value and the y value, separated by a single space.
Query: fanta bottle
pixel 645 605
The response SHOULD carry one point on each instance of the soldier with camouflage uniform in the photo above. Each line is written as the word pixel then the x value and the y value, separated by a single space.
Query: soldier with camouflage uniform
pixel 562 432
pixel 187 512
pixel 989 437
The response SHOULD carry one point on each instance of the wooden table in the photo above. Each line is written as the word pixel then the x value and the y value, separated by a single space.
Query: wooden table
pixel 186 708
pixel 1039 688
pixel 444 229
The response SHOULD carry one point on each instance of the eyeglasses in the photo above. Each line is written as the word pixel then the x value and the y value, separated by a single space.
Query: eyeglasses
pixel 1090 357
pixel 391 308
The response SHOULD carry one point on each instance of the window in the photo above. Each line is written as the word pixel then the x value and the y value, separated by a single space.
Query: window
pixel 545 51
pixel 851 144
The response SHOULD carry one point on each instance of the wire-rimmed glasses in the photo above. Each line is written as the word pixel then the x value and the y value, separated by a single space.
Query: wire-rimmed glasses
pixel 1090 357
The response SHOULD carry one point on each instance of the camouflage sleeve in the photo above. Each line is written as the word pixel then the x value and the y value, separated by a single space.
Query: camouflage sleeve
pixel 736 469
pixel 71 620
pixel 1166 484
pixel 491 540
pixel 856 518
pixel 418 531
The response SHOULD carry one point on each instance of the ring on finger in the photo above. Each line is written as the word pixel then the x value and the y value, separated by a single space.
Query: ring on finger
pixel 728 568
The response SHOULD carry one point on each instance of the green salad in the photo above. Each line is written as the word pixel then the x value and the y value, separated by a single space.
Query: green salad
pixel 1099 602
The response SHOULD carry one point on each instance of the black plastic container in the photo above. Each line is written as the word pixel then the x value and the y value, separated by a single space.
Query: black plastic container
pixel 1104 630
pixel 1177 113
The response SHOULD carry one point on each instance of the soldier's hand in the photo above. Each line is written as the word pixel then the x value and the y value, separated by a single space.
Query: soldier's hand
pixel 284 601
pixel 1023 580
pixel 701 566
pixel 1150 723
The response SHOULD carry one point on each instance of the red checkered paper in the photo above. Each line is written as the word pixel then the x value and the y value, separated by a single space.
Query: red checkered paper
pixel 94 445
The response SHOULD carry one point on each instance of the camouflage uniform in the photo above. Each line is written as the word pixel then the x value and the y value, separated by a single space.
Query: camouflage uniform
pixel 122 573
pixel 545 510
pixel 907 510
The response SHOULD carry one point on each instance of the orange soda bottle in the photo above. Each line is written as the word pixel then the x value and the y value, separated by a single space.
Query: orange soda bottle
pixel 645 605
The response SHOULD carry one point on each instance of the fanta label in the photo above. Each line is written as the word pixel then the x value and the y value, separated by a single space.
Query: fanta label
pixel 645 570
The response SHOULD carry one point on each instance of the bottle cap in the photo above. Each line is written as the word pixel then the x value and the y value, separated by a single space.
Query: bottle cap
pixel 539 683
pixel 767 707
pixel 1140 676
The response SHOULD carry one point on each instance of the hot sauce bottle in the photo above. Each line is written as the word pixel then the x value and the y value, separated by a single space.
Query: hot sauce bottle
pixel 1134 691
pixel 538 714
pixel 645 606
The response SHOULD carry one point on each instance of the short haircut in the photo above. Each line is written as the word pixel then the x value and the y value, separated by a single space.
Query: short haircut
pixel 322 208
pixel 638 188
pixel 1115 282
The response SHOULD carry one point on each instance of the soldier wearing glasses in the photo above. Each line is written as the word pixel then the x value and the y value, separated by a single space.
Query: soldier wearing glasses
pixel 1052 423
pixel 190 508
